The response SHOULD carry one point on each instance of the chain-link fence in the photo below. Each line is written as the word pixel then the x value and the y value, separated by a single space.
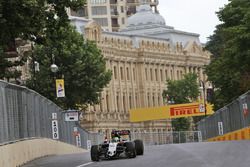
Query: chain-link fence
pixel 26 114
pixel 158 138
pixel 232 117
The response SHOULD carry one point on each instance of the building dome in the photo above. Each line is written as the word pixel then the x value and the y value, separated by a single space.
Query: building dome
pixel 145 16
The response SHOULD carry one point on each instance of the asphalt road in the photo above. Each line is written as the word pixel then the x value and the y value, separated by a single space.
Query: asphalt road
pixel 221 154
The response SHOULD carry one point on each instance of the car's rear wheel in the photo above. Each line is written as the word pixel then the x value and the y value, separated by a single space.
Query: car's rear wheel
pixel 94 153
pixel 139 147
pixel 130 150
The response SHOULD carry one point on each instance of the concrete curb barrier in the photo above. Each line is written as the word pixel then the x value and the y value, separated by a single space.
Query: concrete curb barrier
pixel 241 134
pixel 18 153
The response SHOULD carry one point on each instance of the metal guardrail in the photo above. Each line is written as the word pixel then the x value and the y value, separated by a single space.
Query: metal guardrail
pixel 26 114
pixel 232 117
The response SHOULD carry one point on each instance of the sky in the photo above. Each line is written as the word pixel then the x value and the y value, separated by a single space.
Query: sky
pixel 197 16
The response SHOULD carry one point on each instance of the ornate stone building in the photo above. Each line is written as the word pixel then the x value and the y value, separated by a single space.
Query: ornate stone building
pixel 142 57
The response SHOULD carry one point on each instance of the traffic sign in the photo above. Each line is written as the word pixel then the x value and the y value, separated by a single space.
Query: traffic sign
pixel 220 128
pixel 54 115
pixel 55 133
pixel 71 115
pixel 78 140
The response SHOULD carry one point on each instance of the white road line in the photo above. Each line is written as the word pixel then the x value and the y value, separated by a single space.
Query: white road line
pixel 85 164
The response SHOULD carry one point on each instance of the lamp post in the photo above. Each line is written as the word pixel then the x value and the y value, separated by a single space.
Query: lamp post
pixel 203 88
pixel 54 69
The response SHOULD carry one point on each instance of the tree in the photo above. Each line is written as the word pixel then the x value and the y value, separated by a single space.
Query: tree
pixel 28 20
pixel 182 91
pixel 229 70
pixel 80 64
pixel 45 23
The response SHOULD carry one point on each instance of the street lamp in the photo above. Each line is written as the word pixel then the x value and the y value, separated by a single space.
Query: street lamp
pixel 204 95
pixel 54 68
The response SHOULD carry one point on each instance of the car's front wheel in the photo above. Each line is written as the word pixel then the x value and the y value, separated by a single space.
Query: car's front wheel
pixel 130 150
pixel 94 153
pixel 139 147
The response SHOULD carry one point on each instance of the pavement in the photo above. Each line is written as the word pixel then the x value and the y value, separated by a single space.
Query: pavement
pixel 206 154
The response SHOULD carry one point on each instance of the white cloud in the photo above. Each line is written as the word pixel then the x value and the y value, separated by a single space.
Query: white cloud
pixel 197 16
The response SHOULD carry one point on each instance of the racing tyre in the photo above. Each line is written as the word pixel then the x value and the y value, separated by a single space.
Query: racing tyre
pixel 94 153
pixel 139 147
pixel 130 150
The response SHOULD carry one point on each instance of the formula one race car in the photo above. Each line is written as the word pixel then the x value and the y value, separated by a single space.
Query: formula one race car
pixel 119 146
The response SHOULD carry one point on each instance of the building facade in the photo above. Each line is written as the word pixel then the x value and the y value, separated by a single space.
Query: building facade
pixel 112 15
pixel 142 57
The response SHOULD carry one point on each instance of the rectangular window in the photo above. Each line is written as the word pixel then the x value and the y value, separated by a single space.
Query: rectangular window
pixel 166 74
pixel 98 1
pixel 123 20
pixel 151 74
pixel 124 104
pixel 99 10
pixel 121 71
pixel 117 103
pixel 122 9
pixel 148 100
pixel 130 101
pixel 161 74
pixel 156 75
pixel 115 72
pixel 127 73
pixel 107 101
pixel 146 73
pixel 134 73
pixel 101 21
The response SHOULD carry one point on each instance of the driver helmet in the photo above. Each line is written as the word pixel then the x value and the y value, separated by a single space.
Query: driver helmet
pixel 116 139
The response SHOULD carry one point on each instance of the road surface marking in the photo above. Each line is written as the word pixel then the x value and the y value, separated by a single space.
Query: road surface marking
pixel 85 164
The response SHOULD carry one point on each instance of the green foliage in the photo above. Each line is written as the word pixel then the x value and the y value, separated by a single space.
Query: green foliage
pixel 229 70
pixel 80 64
pixel 29 20
pixel 46 23
pixel 180 124
pixel 182 91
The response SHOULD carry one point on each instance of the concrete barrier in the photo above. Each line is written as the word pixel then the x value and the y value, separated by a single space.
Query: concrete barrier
pixel 241 134
pixel 18 153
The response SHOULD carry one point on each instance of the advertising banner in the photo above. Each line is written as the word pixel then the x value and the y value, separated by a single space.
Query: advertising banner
pixel 60 91
pixel 170 111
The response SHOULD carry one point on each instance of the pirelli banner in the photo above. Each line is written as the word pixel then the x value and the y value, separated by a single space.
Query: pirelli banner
pixel 170 111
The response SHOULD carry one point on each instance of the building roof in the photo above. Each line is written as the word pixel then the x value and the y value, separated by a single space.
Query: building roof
pixel 145 12
pixel 146 23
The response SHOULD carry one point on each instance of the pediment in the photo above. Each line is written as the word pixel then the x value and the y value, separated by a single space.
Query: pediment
pixel 93 25
pixel 193 47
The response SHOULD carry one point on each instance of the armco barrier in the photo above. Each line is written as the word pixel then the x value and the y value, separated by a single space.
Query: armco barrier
pixel 18 153
pixel 232 118
pixel 26 114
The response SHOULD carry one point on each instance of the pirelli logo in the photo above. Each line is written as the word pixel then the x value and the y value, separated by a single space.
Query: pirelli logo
pixel 185 110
